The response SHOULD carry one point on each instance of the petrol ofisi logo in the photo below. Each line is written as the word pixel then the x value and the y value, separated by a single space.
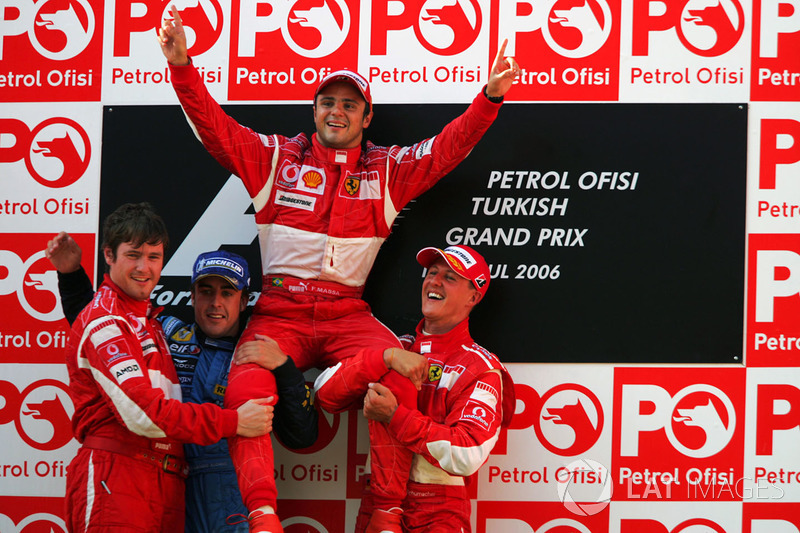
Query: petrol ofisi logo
pixel 568 50
pixel 56 152
pixel 678 433
pixel 56 48
pixel 281 50
pixel 34 329
pixel 773 332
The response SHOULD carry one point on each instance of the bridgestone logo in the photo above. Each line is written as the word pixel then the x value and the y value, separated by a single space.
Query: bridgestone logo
pixel 295 200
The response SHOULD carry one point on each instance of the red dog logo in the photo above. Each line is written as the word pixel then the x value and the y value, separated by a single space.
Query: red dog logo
pixel 460 23
pixel 718 19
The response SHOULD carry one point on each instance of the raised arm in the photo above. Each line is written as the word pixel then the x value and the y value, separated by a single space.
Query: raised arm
pixel 74 287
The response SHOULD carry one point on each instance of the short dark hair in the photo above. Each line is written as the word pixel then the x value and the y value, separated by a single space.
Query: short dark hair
pixel 136 224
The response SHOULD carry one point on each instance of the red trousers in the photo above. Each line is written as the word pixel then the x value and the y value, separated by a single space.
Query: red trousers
pixel 316 331
pixel 427 509
pixel 111 492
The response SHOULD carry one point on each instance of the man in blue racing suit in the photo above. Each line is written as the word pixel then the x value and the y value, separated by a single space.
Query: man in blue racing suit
pixel 201 352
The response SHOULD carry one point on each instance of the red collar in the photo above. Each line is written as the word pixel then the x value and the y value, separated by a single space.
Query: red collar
pixel 338 156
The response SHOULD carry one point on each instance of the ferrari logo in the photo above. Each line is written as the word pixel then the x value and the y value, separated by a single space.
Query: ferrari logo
pixel 434 373
pixel 351 184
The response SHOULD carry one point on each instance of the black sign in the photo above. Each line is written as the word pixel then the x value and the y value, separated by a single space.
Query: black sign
pixel 615 232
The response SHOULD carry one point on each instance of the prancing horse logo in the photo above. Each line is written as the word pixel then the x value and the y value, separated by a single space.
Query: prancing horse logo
pixel 352 184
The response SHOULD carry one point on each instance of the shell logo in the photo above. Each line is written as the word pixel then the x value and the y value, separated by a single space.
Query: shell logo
pixel 312 179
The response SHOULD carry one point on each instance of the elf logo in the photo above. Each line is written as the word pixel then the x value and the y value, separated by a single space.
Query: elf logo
pixel 310 30
pixel 698 421
pixel 202 21
pixel 57 29
pixel 705 28
pixel 442 28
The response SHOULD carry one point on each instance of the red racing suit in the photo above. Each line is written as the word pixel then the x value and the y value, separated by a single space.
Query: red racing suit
pixel 466 399
pixel 129 473
pixel 322 215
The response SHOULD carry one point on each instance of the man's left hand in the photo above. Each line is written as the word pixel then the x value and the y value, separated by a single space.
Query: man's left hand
pixel 504 71
pixel 379 403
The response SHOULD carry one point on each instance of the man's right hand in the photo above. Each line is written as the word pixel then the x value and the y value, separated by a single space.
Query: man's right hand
pixel 255 417
pixel 409 364
pixel 173 39
pixel 64 253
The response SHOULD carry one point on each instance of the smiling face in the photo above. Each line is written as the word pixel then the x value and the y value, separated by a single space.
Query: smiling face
pixel 339 116
pixel 217 306
pixel 135 270
pixel 447 298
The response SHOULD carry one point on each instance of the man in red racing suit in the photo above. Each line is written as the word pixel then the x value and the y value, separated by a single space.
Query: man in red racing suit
pixel 466 398
pixel 129 473
pixel 323 208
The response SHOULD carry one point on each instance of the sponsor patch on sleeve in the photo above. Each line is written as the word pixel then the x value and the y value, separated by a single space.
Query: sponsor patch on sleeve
pixel 423 148
pixel 485 393
pixel 479 414
pixel 124 370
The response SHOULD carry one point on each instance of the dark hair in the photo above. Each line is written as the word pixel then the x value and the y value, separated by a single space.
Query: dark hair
pixel 136 224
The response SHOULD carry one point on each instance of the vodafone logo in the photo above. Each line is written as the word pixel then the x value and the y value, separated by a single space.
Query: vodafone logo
pixel 570 420
pixel 310 29
pixel 705 28
pixel 698 421
pixel 693 525
pixel 35 523
pixel 577 31
pixel 57 151
pixel 443 27
pixel 35 283
pixel 41 414
pixel 57 29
